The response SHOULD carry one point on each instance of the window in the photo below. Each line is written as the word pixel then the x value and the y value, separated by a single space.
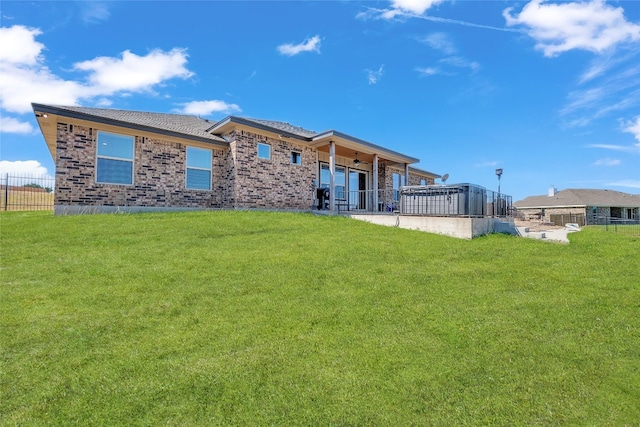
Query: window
pixel 198 168
pixel 264 151
pixel 114 159
pixel 296 158
pixel 398 181
pixel 423 181
pixel 340 180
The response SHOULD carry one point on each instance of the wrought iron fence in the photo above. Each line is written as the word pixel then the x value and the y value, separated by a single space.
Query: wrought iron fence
pixel 26 193
pixel 454 200
pixel 430 200
pixel 617 225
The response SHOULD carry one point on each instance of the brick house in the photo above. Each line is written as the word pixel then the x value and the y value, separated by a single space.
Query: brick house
pixel 581 206
pixel 128 160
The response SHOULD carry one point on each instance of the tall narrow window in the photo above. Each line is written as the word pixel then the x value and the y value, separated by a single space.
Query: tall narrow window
pixel 398 181
pixel 264 151
pixel 114 159
pixel 198 168
pixel 340 180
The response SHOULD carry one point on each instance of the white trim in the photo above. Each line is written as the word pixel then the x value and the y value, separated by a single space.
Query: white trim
pixel 121 159
pixel 299 153
pixel 187 167
pixel 258 150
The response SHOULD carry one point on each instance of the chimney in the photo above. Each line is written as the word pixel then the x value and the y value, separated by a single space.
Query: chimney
pixel 552 191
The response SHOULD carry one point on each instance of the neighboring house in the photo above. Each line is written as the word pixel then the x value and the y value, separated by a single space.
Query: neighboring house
pixel 580 206
pixel 114 159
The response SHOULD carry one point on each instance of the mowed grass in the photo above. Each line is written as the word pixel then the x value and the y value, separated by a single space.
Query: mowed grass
pixel 263 318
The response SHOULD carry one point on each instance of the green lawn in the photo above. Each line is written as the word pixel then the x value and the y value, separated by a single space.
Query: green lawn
pixel 263 318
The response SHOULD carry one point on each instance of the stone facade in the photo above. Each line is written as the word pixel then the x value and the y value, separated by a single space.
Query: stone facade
pixel 240 179
pixel 158 178
pixel 273 183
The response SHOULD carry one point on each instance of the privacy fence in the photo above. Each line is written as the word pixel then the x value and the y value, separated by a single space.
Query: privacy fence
pixel 26 193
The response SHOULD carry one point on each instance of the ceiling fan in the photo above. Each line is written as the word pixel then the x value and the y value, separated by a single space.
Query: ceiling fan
pixel 356 162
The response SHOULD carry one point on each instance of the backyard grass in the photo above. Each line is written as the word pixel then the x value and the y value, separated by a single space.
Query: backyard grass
pixel 264 318
pixel 25 199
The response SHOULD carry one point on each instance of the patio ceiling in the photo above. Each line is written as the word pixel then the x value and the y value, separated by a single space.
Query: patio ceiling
pixel 348 146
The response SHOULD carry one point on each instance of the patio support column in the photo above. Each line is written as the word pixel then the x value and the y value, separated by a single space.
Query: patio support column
pixel 332 175
pixel 375 183
pixel 406 174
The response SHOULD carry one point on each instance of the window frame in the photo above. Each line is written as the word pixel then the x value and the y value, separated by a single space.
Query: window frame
pixel 198 168
pixel 264 144
pixel 338 185
pixel 298 156
pixel 115 158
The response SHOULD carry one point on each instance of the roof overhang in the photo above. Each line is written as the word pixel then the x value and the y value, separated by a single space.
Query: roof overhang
pixel 347 145
pixel 49 116
pixel 422 172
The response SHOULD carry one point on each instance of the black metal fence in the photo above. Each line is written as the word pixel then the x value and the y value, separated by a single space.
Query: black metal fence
pixel 26 193
pixel 467 200
pixel 630 227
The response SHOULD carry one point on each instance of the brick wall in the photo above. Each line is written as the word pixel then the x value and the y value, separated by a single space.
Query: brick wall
pixel 273 183
pixel 158 181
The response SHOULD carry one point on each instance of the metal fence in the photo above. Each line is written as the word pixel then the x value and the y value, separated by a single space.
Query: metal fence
pixel 617 225
pixel 26 193
pixel 467 200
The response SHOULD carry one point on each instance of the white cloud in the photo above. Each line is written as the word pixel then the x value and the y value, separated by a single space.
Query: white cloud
pixel 627 183
pixel 607 86
pixel 19 46
pixel 32 168
pixel 24 77
pixel 560 27
pixel 94 11
pixel 607 162
pixel 439 41
pixel 429 71
pixel 633 127
pixel 309 45
pixel 22 85
pixel 460 62
pixel 11 125
pixel 414 6
pixel 635 148
pixel 373 76
pixel 375 14
pixel 134 73
pixel 205 108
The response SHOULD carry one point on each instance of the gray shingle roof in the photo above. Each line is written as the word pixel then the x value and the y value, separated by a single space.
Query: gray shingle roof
pixel 581 197
pixel 285 127
pixel 178 123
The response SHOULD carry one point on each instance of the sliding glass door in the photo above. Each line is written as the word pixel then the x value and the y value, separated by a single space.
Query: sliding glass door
pixel 357 189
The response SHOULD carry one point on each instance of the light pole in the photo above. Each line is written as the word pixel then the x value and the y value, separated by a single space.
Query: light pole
pixel 499 173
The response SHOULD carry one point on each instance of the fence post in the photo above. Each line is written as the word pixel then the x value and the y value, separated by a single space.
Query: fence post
pixel 6 193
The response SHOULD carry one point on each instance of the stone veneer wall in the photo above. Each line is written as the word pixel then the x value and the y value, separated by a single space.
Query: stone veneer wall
pixel 158 181
pixel 273 183
pixel 385 181
pixel 534 213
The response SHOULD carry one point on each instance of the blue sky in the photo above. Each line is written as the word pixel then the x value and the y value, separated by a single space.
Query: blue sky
pixel 547 91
